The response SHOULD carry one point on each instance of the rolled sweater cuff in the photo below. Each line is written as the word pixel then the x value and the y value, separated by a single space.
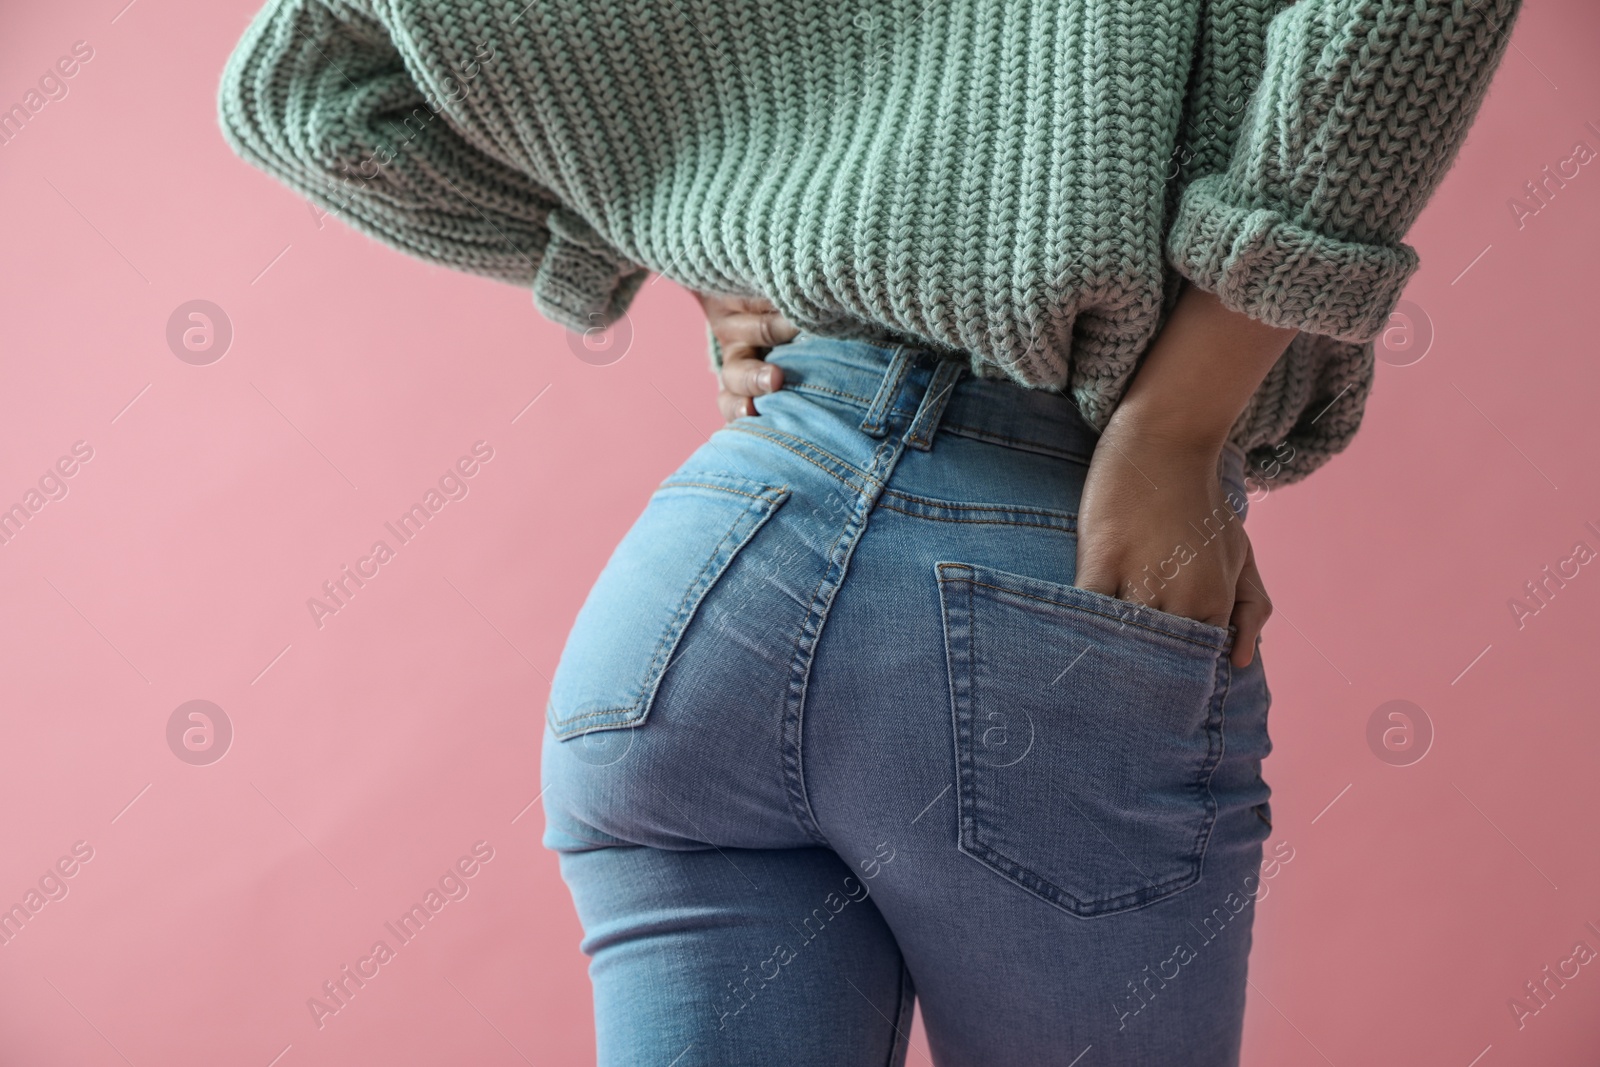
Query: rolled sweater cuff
pixel 582 282
pixel 1260 264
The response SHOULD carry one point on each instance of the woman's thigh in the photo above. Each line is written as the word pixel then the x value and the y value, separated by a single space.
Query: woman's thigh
pixel 733 957
pixel 1059 797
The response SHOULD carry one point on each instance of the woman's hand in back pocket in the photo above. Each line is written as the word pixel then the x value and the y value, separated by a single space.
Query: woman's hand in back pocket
pixel 1155 527
pixel 1154 524
pixel 746 329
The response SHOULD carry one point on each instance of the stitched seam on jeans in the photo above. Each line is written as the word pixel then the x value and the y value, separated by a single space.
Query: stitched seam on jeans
pixel 794 762
pixel 1091 611
pixel 771 494
pixel 981 522
pixel 854 398
pixel 808 387
pixel 772 436
pixel 793 757
pixel 806 445
pixel 884 458
pixel 961 428
pixel 954 506
pixel 1066 519
pixel 959 660
pixel 1216 738
pixel 1042 887
pixel 901 1040
pixel 979 433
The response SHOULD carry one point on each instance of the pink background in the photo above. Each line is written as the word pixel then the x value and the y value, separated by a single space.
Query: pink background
pixel 373 752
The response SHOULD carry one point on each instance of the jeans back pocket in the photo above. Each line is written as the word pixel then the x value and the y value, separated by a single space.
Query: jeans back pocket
pixel 629 626
pixel 1087 729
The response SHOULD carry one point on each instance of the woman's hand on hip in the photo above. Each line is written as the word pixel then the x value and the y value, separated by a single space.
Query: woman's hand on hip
pixel 746 329
pixel 1156 528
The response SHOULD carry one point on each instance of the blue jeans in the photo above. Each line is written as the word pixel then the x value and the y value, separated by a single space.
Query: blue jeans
pixel 834 725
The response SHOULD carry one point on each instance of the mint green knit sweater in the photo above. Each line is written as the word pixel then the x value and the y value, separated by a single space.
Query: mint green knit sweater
pixel 1025 185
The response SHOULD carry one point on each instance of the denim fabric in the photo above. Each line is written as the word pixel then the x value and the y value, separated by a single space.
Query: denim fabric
pixel 835 729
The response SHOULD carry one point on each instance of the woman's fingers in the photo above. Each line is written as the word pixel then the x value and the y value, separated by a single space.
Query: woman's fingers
pixel 1251 608
pixel 733 406
pixel 746 328
pixel 748 321
pixel 746 373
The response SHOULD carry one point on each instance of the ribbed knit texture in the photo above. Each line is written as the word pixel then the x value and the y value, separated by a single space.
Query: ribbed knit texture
pixel 1024 185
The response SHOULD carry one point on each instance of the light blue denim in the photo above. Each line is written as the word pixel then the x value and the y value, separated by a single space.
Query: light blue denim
pixel 835 729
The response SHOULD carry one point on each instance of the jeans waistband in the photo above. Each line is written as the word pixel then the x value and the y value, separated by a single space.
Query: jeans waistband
pixel 891 383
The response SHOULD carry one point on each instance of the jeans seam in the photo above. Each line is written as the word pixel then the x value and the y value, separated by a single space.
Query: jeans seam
pixel 674 484
pixel 1216 736
pixel 791 729
pixel 948 505
pixel 982 522
pixel 947 425
pixel 898 408
pixel 978 433
pixel 774 435
pixel 900 1042
pixel 832 580
pixel 997 513
pixel 840 394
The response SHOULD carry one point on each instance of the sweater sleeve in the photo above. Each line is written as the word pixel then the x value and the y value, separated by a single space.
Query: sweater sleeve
pixel 1361 108
pixel 317 95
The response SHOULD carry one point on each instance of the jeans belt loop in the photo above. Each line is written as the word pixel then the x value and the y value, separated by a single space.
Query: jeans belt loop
pixel 919 434
pixel 876 423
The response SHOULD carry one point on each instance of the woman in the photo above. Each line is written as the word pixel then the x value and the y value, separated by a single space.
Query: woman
pixel 935 670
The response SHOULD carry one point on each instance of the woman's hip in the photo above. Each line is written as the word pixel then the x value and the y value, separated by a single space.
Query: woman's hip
pixel 887 530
